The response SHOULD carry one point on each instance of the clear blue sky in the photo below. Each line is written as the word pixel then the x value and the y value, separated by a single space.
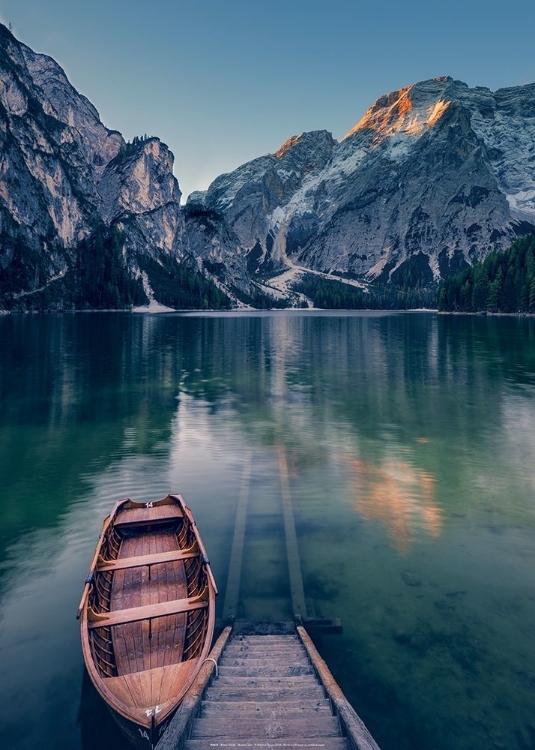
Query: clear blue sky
pixel 224 81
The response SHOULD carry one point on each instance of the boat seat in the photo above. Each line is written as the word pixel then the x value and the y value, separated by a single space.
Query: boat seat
pixel 137 562
pixel 145 516
pixel 148 612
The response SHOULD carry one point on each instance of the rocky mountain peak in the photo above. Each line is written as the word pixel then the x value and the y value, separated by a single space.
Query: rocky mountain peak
pixel 434 176
pixel 411 110
pixel 287 145
pixel 307 151
pixel 302 144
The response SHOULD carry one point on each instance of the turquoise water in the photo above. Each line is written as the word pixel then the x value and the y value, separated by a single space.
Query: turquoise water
pixel 409 441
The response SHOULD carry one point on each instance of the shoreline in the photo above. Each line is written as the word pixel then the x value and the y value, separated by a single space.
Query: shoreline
pixel 278 310
pixel 232 311
pixel 487 314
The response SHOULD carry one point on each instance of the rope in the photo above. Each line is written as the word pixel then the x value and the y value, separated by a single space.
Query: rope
pixel 215 663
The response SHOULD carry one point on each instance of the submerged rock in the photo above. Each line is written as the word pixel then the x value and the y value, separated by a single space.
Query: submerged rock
pixel 401 636
pixel 410 579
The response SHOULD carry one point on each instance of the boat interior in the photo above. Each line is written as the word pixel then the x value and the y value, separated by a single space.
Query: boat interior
pixel 148 602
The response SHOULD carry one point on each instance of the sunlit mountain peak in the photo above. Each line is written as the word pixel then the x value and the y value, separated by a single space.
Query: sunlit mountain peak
pixel 411 110
pixel 292 141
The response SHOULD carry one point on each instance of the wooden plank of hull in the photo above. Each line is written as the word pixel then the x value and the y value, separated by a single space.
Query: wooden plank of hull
pixel 153 690
pixel 164 680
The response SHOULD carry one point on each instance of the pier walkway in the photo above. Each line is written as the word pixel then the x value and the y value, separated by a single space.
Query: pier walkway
pixel 269 691
pixel 264 685
pixel 266 689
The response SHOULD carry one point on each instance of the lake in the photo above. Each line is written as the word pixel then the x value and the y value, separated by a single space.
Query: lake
pixel 409 444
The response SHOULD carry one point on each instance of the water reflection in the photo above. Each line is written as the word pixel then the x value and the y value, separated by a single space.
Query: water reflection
pixel 399 495
pixel 409 442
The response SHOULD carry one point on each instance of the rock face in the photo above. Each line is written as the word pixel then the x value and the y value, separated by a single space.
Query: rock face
pixel 62 172
pixel 433 177
pixel 233 226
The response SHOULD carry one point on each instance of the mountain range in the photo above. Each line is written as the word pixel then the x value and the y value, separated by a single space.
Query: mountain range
pixel 433 177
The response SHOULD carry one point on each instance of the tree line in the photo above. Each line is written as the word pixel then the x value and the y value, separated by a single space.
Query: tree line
pixel 97 277
pixel 503 282
pixel 101 280
pixel 182 287
pixel 336 295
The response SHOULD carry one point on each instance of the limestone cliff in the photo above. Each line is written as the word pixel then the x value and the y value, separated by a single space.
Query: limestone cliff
pixel 63 174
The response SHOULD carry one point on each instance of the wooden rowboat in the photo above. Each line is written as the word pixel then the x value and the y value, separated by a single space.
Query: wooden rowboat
pixel 147 613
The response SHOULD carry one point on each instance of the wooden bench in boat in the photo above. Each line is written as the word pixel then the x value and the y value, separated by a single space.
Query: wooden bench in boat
pixel 123 563
pixel 132 517
pixel 147 612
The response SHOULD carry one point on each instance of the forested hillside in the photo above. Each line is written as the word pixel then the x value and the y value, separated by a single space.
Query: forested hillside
pixel 503 282
pixel 97 277
pixel 335 295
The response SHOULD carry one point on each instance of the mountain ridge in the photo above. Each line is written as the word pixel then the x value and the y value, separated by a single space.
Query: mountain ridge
pixel 64 174
pixel 433 177
pixel 436 168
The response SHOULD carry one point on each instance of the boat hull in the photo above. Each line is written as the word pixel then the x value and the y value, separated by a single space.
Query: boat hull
pixel 140 737
pixel 147 614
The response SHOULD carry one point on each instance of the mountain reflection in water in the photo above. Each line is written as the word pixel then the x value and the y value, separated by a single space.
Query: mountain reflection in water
pixel 399 495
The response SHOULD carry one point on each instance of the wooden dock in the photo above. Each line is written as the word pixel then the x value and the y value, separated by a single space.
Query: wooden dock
pixel 270 691
pixel 264 684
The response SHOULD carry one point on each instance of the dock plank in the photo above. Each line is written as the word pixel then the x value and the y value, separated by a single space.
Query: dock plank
pixel 270 685
pixel 230 607
pixel 266 639
pixel 269 670
pixel 281 693
pixel 276 662
pixel 298 743
pixel 262 727
pixel 266 651
pixel 292 550
pixel 272 709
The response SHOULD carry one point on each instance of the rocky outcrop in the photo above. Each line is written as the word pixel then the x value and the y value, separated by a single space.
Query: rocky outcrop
pixel 249 200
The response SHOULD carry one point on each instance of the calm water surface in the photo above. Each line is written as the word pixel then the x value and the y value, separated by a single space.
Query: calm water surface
pixel 410 445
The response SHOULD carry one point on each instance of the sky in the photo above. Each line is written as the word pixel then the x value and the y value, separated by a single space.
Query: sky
pixel 225 81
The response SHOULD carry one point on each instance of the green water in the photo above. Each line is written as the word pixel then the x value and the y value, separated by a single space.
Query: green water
pixel 410 446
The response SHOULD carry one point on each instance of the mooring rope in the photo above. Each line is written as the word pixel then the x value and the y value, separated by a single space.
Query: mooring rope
pixel 209 658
